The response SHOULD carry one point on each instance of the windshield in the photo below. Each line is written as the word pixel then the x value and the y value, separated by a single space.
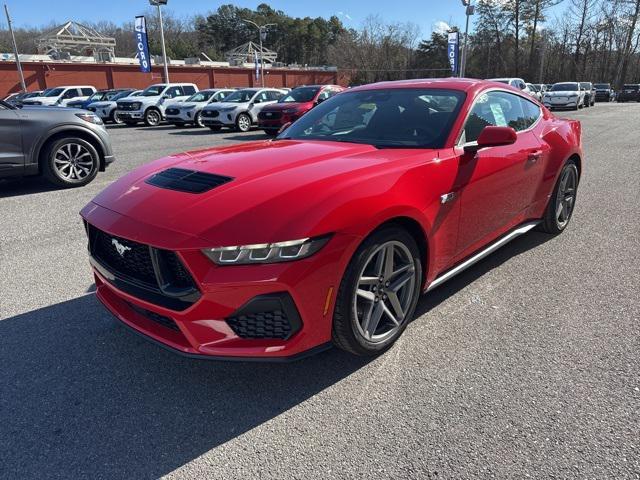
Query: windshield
pixel 533 87
pixel 200 97
pixel 586 85
pixel 97 96
pixel 152 91
pixel 565 87
pixel 54 92
pixel 399 117
pixel 603 86
pixel 300 94
pixel 120 95
pixel 241 96
pixel 632 87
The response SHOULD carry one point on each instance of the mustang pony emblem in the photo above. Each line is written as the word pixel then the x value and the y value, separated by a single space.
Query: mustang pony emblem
pixel 120 248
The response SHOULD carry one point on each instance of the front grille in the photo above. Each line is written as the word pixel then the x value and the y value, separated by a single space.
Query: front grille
pixel 270 115
pixel 189 181
pixel 127 106
pixel 210 113
pixel 272 316
pixel 135 262
pixel 261 325
pixel 173 111
pixel 149 273
pixel 155 317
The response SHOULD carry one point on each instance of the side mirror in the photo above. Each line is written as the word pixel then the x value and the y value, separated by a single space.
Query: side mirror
pixel 493 137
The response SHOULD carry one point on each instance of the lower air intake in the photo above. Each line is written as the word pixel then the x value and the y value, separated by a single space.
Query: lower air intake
pixel 268 317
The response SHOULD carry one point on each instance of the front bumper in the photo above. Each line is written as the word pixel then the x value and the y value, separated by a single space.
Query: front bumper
pixel 206 327
pixel 103 112
pixel 128 115
pixel 569 103
pixel 183 116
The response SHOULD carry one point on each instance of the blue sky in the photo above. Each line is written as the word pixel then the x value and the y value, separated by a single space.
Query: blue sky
pixel 425 13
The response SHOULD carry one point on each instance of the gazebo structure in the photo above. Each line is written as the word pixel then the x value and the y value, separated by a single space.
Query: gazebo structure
pixel 247 54
pixel 74 38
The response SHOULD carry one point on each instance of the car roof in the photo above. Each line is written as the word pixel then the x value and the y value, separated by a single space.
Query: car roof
pixel 461 84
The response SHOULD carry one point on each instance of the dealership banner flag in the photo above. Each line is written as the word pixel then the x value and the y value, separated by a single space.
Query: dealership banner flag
pixel 142 44
pixel 453 50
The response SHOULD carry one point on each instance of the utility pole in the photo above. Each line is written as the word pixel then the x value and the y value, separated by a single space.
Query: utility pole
pixel 262 33
pixel 15 49
pixel 159 3
pixel 470 10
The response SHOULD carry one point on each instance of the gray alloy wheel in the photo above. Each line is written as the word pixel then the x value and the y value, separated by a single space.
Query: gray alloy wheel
pixel 243 122
pixel 385 291
pixel 115 118
pixel 71 162
pixel 152 117
pixel 198 120
pixel 566 196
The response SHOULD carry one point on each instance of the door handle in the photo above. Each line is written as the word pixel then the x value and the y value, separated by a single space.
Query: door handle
pixel 534 156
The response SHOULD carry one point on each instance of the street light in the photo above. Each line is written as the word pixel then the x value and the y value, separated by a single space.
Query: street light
pixel 159 3
pixel 470 10
pixel 262 33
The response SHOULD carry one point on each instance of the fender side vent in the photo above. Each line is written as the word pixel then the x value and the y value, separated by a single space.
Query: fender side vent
pixel 188 181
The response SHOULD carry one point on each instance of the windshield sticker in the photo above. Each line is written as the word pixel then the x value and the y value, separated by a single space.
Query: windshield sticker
pixel 498 114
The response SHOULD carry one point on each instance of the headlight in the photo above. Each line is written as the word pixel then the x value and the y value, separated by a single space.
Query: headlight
pixel 90 117
pixel 136 106
pixel 266 252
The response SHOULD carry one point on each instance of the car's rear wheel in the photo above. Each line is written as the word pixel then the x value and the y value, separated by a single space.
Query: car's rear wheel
pixel 70 162
pixel 562 201
pixel 378 293
pixel 243 122
pixel 152 117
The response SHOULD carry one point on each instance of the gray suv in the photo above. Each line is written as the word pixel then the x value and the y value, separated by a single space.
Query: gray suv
pixel 67 146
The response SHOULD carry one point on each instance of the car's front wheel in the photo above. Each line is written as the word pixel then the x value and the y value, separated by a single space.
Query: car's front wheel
pixel 378 293
pixel 70 162
pixel 115 118
pixel 198 120
pixel 243 122
pixel 562 201
pixel 152 117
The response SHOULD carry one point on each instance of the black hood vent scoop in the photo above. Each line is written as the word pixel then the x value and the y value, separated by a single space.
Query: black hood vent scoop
pixel 189 181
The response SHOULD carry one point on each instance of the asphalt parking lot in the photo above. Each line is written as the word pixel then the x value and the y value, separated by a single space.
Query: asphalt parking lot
pixel 527 365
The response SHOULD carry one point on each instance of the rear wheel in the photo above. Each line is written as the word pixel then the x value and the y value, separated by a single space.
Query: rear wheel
pixel 152 117
pixel 378 293
pixel 70 162
pixel 243 122
pixel 562 201
pixel 198 120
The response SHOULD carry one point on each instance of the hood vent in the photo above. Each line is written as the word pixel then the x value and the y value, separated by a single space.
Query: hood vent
pixel 189 181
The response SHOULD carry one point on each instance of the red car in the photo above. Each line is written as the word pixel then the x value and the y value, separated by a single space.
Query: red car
pixel 292 106
pixel 329 233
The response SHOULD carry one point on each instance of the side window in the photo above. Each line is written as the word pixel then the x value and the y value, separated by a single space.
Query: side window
pixel 325 94
pixel 498 109
pixel 188 89
pixel 264 97
pixel 530 113
pixel 71 93
pixel 87 92
pixel 173 92
pixel 273 95
pixel 220 96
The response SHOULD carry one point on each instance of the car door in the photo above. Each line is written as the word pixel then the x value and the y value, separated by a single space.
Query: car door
pixel 11 154
pixel 498 184
pixel 259 101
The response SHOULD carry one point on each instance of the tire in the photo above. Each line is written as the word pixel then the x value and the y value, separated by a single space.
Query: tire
pixel 70 162
pixel 554 221
pixel 152 117
pixel 351 331
pixel 243 123
pixel 116 118
pixel 198 120
pixel 215 128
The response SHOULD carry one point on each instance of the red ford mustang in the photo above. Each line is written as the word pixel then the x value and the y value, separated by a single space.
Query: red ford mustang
pixel 329 233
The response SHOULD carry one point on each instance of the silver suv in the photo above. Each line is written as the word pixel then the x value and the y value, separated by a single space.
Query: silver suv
pixel 66 145
pixel 240 109
pixel 189 111
pixel 150 105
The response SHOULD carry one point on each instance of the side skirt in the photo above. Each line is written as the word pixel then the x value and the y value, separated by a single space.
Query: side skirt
pixel 492 247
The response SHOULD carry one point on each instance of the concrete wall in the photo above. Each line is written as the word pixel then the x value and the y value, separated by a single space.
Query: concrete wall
pixel 39 76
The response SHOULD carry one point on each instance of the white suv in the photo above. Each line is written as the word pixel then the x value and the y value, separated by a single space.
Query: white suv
pixel 240 109
pixel 149 107
pixel 60 96
pixel 514 82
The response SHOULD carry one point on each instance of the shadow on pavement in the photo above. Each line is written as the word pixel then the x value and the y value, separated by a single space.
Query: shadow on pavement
pixel 25 186
pixel 84 398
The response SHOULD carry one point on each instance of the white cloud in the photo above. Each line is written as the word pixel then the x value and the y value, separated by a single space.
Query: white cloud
pixel 440 27
pixel 345 15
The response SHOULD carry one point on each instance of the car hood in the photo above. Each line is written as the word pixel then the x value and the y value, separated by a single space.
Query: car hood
pixel 42 100
pixel 221 105
pixel 103 103
pixel 278 107
pixel 562 93
pixel 44 108
pixel 279 189
pixel 184 105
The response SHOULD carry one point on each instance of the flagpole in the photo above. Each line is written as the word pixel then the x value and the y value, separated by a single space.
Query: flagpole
pixel 15 49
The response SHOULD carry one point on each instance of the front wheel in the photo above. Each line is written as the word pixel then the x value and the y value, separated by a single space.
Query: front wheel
pixel 378 293
pixel 562 201
pixel 243 122
pixel 70 162
pixel 115 118
pixel 152 117
pixel 198 120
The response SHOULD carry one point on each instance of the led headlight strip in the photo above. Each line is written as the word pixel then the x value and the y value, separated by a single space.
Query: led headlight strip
pixel 266 252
